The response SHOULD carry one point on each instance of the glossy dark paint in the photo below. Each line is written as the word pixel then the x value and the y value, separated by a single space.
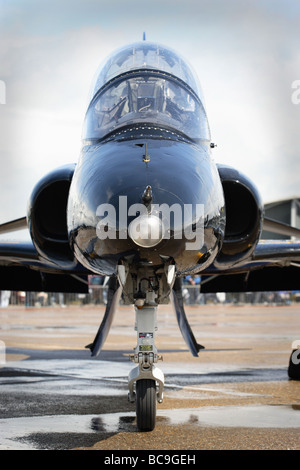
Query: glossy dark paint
pixel 178 172
pixel 244 221
pixel 46 217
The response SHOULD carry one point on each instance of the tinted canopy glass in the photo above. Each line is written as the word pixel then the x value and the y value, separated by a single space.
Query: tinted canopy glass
pixel 146 97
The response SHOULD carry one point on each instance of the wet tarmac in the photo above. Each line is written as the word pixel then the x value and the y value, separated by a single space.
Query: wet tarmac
pixel 236 395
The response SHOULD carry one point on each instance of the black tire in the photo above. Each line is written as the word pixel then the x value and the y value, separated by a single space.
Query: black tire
pixel 294 365
pixel 146 404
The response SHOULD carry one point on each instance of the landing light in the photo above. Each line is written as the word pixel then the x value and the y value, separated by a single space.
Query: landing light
pixel 146 230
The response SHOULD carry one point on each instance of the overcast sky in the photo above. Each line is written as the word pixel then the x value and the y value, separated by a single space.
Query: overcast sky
pixel 245 52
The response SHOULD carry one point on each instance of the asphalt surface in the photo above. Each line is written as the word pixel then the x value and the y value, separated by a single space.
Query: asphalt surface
pixel 235 395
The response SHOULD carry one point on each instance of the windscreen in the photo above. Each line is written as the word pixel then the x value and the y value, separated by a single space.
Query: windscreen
pixel 149 97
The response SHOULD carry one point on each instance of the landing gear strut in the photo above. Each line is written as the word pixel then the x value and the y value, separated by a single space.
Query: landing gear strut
pixel 145 288
pixel 146 381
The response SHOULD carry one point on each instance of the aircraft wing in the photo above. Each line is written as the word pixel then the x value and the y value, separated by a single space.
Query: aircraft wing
pixel 273 266
pixel 13 225
pixel 22 269
pixel 274 226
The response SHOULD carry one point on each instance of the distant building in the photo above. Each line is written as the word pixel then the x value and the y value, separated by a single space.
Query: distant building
pixel 284 210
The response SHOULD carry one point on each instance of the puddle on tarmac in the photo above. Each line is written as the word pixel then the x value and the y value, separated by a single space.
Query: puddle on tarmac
pixel 31 432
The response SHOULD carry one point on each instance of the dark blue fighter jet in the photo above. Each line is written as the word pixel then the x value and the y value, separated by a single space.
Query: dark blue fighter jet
pixel 147 205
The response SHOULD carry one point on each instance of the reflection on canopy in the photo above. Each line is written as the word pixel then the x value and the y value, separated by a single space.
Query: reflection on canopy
pixel 146 83
pixel 146 98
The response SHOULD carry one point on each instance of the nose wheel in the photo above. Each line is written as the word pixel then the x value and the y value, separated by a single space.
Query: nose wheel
pixel 146 381
pixel 146 404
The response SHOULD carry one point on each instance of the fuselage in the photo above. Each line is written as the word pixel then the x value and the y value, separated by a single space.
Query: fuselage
pixel 145 189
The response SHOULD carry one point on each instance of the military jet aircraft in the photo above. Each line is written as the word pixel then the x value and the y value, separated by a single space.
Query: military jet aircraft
pixel 147 205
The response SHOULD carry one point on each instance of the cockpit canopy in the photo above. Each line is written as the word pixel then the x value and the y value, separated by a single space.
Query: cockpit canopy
pixel 146 84
pixel 145 55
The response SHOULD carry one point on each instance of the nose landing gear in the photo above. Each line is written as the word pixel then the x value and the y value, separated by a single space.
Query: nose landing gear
pixel 146 381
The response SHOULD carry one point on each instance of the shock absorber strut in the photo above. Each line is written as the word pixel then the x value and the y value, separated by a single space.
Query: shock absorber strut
pixel 146 381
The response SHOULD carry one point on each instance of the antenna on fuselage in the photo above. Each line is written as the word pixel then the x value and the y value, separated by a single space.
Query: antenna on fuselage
pixel 144 36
